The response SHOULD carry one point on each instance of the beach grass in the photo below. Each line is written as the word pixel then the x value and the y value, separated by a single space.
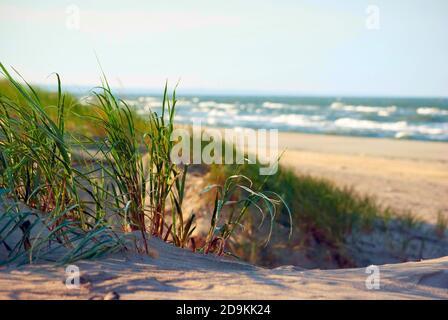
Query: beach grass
pixel 85 205
pixel 321 212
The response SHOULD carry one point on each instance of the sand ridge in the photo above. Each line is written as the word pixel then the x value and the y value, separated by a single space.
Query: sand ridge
pixel 180 274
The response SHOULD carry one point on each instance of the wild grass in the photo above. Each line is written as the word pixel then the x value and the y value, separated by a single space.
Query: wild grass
pixel 35 155
pixel 238 194
pixel 36 168
pixel 123 163
pixel 122 185
pixel 162 172
pixel 322 212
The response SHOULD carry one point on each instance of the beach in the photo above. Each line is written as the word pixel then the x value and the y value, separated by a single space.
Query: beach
pixel 175 273
pixel 402 174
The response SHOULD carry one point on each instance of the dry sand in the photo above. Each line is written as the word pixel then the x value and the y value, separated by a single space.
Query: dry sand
pixel 180 274
pixel 406 175
pixel 403 174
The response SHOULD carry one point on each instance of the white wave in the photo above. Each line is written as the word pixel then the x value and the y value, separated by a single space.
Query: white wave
pixel 146 99
pixel 252 118
pixel 207 104
pixel 350 123
pixel 382 111
pixel 214 104
pixel 273 105
pixel 277 106
pixel 222 113
pixel 226 105
pixel 299 120
pixel 432 111
pixel 401 127
pixel 402 134
pixel 184 103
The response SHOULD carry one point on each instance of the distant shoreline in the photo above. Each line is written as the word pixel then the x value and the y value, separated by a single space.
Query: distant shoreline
pixel 372 146
pixel 356 145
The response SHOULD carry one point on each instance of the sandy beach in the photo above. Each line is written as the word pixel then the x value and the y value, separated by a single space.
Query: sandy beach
pixel 402 174
pixel 180 274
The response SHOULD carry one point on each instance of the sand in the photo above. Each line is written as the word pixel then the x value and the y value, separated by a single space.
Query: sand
pixel 405 175
pixel 180 274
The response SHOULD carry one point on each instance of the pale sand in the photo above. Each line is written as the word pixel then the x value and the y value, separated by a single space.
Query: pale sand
pixel 406 175
pixel 181 274
pixel 403 174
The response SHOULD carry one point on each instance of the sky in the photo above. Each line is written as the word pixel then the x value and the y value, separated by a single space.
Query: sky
pixel 293 47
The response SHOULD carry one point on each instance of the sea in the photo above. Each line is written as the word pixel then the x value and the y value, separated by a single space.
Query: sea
pixel 396 118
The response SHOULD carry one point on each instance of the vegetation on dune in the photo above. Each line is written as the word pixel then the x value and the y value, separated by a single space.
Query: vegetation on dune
pixel 322 213
pixel 125 181
pixel 86 206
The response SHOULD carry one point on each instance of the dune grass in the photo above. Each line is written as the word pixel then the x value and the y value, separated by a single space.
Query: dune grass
pixel 84 206
pixel 36 170
pixel 322 212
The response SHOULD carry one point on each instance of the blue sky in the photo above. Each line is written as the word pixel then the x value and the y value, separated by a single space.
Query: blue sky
pixel 267 47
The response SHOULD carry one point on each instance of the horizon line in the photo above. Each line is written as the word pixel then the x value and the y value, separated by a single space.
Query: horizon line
pixel 240 93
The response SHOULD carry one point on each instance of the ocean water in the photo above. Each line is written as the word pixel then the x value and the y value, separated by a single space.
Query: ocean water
pixel 399 118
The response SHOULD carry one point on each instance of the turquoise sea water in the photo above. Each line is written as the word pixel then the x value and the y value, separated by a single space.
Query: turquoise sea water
pixel 399 118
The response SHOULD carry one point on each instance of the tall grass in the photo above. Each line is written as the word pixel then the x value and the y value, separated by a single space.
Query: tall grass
pixel 239 203
pixel 322 213
pixel 83 206
pixel 37 170
pixel 35 154
pixel 163 173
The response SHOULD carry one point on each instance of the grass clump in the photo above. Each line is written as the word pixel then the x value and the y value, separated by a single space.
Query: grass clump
pixel 37 171
pixel 35 155
pixel 323 214
pixel 163 174
pixel 237 193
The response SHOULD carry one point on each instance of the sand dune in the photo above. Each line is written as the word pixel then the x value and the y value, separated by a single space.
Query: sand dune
pixel 180 274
